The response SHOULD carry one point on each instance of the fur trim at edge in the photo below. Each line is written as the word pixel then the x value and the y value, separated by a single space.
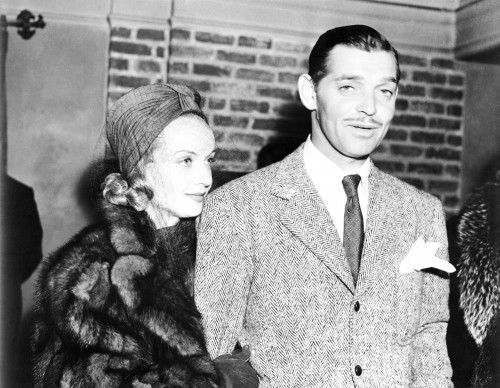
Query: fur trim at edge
pixel 479 267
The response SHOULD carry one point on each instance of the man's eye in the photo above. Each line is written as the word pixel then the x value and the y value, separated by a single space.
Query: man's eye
pixel 211 160
pixel 346 88
pixel 387 92
pixel 186 161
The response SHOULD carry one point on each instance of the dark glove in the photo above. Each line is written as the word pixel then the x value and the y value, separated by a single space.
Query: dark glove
pixel 235 370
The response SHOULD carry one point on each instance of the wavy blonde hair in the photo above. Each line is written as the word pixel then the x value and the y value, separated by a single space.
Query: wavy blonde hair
pixel 117 190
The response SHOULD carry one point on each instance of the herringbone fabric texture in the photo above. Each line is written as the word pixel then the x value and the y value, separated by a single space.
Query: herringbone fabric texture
pixel 353 224
pixel 271 273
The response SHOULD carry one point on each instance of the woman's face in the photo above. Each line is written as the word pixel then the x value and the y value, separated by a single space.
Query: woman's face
pixel 179 170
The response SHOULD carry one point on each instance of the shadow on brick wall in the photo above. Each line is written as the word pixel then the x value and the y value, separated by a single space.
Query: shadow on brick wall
pixel 276 151
pixel 293 131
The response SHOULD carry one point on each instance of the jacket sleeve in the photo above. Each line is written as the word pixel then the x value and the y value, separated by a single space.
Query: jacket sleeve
pixel 223 270
pixel 431 364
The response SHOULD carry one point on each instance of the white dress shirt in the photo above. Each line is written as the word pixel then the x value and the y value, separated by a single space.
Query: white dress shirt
pixel 327 178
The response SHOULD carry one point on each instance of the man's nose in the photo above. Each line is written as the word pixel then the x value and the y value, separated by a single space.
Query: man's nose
pixel 367 104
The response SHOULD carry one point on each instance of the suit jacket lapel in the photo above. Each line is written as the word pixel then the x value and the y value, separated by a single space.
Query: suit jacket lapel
pixel 304 214
pixel 379 222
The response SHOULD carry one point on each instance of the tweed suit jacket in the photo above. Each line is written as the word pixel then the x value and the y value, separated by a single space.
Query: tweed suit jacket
pixel 271 273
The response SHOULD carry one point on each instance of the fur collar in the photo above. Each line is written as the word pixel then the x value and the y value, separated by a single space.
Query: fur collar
pixel 130 232
pixel 133 233
pixel 479 267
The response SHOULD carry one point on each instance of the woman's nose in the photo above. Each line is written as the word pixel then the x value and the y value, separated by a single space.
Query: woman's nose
pixel 204 176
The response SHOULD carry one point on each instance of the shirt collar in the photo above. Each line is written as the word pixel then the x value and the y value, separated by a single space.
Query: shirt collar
pixel 318 165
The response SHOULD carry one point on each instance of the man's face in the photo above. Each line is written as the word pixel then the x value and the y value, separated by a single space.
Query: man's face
pixel 355 103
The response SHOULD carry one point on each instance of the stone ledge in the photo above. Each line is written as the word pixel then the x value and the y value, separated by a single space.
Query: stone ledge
pixel 407 27
pixel 82 11
pixel 478 28
pixel 149 11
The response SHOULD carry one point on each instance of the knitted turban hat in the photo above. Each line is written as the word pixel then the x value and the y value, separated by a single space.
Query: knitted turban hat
pixel 136 119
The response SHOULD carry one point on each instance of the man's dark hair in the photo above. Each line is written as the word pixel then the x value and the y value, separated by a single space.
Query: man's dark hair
pixel 358 36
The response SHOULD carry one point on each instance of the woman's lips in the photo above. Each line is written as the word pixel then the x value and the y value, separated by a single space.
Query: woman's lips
pixel 198 197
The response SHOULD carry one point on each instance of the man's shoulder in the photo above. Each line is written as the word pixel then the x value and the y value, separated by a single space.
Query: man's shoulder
pixel 407 189
pixel 256 182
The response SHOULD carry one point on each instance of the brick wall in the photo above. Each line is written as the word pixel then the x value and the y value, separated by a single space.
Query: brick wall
pixel 248 81
pixel 137 57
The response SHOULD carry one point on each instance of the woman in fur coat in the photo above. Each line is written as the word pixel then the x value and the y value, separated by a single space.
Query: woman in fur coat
pixel 479 279
pixel 114 305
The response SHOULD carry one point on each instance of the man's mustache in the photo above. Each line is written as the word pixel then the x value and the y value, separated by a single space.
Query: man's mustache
pixel 364 120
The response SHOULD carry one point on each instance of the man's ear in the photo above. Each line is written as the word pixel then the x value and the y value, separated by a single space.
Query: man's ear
pixel 307 92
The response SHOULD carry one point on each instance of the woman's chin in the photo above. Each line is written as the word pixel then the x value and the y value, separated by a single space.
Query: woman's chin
pixel 192 211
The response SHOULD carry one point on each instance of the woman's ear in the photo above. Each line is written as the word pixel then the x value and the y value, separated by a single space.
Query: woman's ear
pixel 307 91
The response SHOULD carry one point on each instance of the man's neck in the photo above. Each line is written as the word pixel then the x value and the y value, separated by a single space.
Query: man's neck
pixel 345 163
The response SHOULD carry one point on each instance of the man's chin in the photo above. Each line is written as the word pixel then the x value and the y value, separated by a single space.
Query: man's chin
pixel 356 156
pixel 363 157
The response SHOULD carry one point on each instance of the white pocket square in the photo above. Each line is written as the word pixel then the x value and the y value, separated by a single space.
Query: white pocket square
pixel 423 255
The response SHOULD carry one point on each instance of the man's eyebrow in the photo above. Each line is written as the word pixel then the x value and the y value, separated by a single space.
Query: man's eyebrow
pixel 390 79
pixel 348 77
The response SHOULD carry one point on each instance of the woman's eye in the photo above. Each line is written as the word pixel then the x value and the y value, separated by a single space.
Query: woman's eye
pixel 211 160
pixel 186 161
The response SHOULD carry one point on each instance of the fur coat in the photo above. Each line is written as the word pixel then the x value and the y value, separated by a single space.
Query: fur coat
pixel 479 279
pixel 114 308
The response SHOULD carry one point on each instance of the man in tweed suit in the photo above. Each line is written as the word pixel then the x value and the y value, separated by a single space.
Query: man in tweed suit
pixel 274 270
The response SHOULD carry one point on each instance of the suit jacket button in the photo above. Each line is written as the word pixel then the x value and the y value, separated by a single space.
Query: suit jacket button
pixel 358 370
pixel 356 306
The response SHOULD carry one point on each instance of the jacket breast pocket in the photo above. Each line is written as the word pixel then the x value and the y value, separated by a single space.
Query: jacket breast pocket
pixel 408 306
